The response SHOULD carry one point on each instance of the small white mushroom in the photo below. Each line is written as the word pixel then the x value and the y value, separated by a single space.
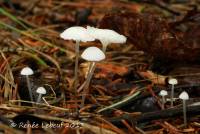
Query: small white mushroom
pixel 77 34
pixel 106 36
pixel 26 72
pixel 184 96
pixel 41 91
pixel 163 93
pixel 93 55
pixel 172 82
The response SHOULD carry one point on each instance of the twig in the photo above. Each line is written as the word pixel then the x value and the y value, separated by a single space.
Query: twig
pixel 94 129
pixel 118 104
pixel 167 113
pixel 10 129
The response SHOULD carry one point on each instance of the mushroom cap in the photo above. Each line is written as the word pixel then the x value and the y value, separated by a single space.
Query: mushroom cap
pixel 26 71
pixel 184 96
pixel 41 90
pixel 173 81
pixel 93 54
pixel 76 33
pixel 106 36
pixel 163 93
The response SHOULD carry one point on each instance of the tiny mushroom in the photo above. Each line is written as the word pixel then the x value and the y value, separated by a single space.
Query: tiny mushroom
pixel 26 71
pixel 93 55
pixel 184 96
pixel 163 93
pixel 106 36
pixel 41 91
pixel 172 82
pixel 77 34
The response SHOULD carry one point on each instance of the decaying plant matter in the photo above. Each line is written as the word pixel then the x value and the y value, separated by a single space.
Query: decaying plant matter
pixel 123 92
pixel 156 36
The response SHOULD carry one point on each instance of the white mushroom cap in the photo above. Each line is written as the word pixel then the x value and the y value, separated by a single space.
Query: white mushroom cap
pixel 106 36
pixel 26 71
pixel 41 90
pixel 93 54
pixel 76 33
pixel 184 96
pixel 173 81
pixel 163 93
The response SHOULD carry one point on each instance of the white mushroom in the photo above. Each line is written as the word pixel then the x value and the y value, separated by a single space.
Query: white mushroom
pixel 163 93
pixel 77 34
pixel 106 36
pixel 41 91
pixel 93 55
pixel 26 72
pixel 172 82
pixel 184 96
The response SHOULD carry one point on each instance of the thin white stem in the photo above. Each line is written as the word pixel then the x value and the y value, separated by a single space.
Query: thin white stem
pixel 184 113
pixel 91 67
pixel 104 48
pixel 90 74
pixel 39 98
pixel 76 73
pixel 29 88
pixel 163 102
pixel 104 45
pixel 76 67
pixel 86 87
pixel 172 96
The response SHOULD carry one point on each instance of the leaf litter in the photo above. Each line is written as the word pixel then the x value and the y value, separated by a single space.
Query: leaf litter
pixel 163 42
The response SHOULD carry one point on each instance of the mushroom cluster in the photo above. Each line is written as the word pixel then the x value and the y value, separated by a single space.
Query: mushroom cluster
pixel 78 34
pixel 91 54
pixel 183 96
pixel 27 71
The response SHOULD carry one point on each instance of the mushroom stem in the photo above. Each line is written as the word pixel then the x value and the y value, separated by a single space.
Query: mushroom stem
pixel 184 113
pixel 184 96
pixel 172 96
pixel 104 47
pixel 39 98
pixel 87 83
pixel 91 72
pixel 76 71
pixel 163 102
pixel 29 87
pixel 76 66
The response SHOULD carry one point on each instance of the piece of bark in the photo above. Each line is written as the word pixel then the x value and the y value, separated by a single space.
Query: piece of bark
pixel 155 36
pixel 167 113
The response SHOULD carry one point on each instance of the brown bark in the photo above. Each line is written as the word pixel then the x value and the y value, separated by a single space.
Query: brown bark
pixel 155 36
